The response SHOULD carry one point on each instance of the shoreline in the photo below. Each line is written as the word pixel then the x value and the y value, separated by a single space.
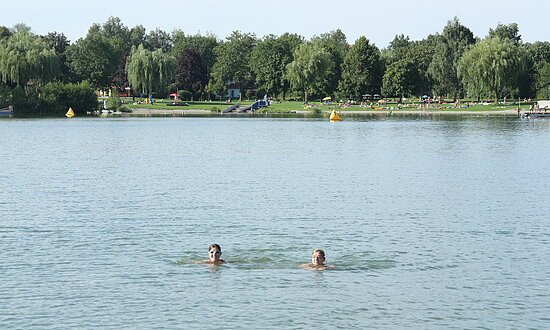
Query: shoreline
pixel 140 112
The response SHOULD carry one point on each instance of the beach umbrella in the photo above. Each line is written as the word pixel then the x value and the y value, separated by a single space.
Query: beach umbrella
pixel 425 96
pixel 328 98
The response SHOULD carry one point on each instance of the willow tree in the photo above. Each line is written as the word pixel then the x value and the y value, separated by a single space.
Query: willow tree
pixel 492 66
pixel 27 59
pixel 309 69
pixel 148 70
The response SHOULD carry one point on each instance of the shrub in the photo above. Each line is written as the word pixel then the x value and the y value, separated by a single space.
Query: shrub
pixel 114 102
pixel 5 95
pixel 184 95
pixel 58 97
pixel 28 103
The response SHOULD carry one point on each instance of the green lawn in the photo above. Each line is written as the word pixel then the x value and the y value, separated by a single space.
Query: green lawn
pixel 163 104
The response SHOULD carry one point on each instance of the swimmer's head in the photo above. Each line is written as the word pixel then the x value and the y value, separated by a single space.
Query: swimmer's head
pixel 318 257
pixel 214 253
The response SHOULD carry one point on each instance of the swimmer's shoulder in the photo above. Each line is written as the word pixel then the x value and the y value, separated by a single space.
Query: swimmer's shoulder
pixel 315 267
pixel 210 263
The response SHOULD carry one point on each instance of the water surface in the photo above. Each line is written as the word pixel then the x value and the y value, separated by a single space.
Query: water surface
pixel 431 222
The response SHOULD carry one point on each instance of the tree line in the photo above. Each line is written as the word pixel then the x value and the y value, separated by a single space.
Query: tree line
pixel 452 63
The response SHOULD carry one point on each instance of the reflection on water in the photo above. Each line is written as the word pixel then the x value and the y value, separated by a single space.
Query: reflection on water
pixel 431 221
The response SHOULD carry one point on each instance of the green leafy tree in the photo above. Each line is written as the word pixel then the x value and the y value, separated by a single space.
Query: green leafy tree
pixel 117 34
pixel 539 55
pixel 233 61
pixel 137 35
pixel 310 67
pixel 542 80
pixel 492 67
pixel 362 70
pixel 26 58
pixel 102 53
pixel 60 43
pixel 107 67
pixel 94 59
pixel 401 79
pixel 267 61
pixel 159 39
pixel 5 32
pixel 455 39
pixel 539 51
pixel 397 49
pixel 149 70
pixel 506 32
pixel 421 54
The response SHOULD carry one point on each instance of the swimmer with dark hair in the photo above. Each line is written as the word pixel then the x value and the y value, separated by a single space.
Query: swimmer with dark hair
pixel 317 261
pixel 214 254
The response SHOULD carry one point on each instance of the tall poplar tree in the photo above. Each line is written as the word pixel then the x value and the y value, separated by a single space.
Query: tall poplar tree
pixel 455 39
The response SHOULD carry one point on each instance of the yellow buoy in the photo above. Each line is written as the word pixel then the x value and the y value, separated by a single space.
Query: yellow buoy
pixel 70 113
pixel 334 116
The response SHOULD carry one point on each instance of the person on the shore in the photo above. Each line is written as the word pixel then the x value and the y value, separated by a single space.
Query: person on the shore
pixel 214 254
pixel 317 261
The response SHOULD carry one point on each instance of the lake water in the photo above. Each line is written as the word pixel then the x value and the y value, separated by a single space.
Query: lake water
pixel 431 222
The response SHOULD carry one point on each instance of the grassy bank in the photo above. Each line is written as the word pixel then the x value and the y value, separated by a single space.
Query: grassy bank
pixel 293 106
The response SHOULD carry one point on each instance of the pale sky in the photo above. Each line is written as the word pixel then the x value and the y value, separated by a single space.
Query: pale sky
pixel 379 21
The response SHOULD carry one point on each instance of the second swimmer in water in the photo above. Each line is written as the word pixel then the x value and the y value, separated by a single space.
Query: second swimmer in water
pixel 317 261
